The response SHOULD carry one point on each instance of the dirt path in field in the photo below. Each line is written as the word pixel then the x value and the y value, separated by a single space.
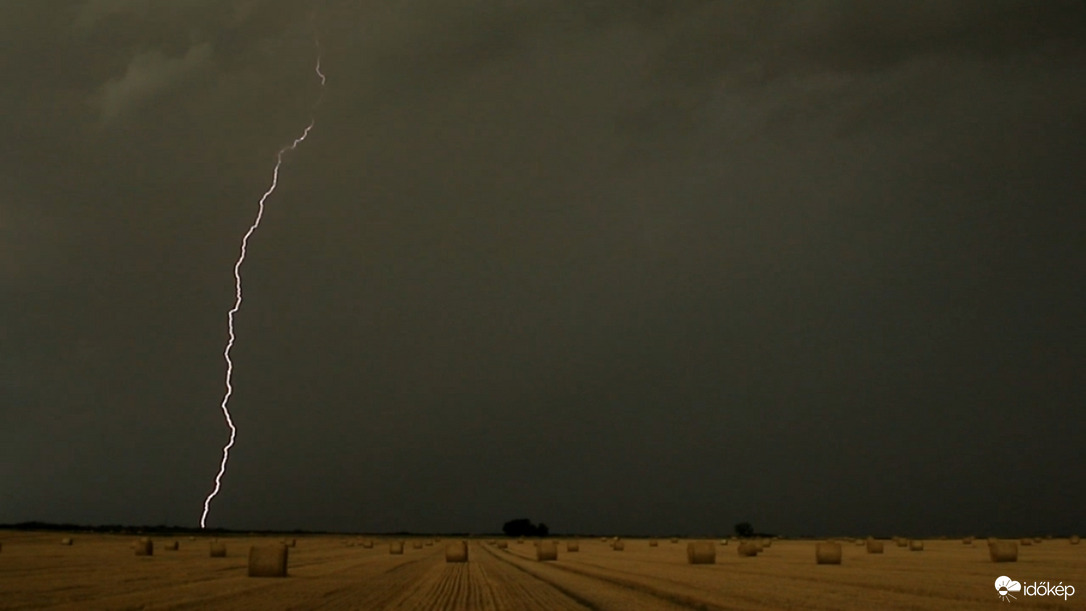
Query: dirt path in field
pixel 483 583
pixel 598 591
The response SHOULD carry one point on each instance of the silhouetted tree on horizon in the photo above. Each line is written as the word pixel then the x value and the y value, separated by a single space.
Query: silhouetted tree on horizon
pixel 523 527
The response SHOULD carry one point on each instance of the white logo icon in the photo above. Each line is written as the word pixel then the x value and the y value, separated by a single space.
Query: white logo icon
pixel 1004 586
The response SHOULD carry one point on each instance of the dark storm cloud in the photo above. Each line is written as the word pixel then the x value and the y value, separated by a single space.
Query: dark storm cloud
pixel 645 266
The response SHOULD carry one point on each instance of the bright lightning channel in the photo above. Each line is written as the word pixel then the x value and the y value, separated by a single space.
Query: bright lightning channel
pixel 237 300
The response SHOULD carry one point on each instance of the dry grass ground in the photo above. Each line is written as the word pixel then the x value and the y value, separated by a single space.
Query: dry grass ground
pixel 101 572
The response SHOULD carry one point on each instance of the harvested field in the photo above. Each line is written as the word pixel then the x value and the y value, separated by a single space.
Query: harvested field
pixel 101 572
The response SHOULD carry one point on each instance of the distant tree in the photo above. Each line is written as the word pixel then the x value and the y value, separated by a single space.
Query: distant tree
pixel 744 529
pixel 523 527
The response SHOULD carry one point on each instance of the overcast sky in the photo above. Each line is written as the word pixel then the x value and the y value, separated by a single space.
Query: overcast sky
pixel 619 266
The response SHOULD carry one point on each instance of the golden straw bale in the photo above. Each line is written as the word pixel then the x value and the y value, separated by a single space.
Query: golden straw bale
pixel 395 547
pixel 1003 551
pixel 653 543
pixel 66 541
pixel 503 545
pixel 828 553
pixel 967 541
pixel 546 550
pixel 874 546
pixel 573 546
pixel 619 545
pixel 1037 540
pixel 456 551
pixel 218 549
pixel 674 539
pixel 268 561
pixel 723 541
pixel 902 542
pixel 1026 542
pixel 748 549
pixel 701 552
pixel 416 544
pixel 172 546
pixel 916 545
pixel 1074 539
pixel 145 547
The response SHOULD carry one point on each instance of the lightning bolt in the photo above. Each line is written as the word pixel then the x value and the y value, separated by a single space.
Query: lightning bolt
pixel 237 294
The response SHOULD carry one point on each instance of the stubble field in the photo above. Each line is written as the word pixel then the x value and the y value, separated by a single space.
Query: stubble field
pixel 327 572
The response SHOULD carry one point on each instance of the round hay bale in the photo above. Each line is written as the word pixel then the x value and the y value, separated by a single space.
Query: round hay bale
pixel 766 543
pixel 723 541
pixel 1037 540
pixel 268 561
pixel 66 541
pixel 701 552
pixel 172 546
pixel 828 553
pixel 520 541
pixel 653 543
pixel 902 542
pixel 503 545
pixel 572 546
pixel 874 546
pixel 395 548
pixel 618 546
pixel 859 541
pixel 456 551
pixel 1074 540
pixel 1026 542
pixel 416 544
pixel 546 551
pixel 218 549
pixel 674 539
pixel 748 549
pixel 967 541
pixel 603 539
pixel 145 547
pixel 916 545
pixel 1003 551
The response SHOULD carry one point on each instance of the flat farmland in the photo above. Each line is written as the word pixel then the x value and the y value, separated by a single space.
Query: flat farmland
pixel 336 572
